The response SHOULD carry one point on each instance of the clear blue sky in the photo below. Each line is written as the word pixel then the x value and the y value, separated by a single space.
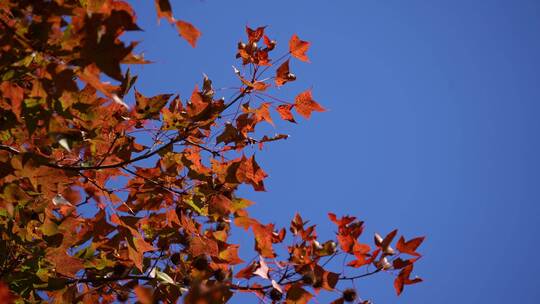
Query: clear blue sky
pixel 432 128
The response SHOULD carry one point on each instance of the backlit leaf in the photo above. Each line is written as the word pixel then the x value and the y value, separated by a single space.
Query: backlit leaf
pixel 285 112
pixel 297 295
pixel 410 246
pixel 188 32
pixel 164 10
pixel 254 35
pixel 304 104
pixel 283 74
pixel 298 48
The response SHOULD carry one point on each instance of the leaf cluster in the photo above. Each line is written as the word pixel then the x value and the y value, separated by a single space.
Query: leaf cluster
pixel 88 213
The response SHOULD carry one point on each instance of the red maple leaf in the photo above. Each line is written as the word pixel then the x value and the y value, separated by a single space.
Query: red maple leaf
pixel 298 48
pixel 188 32
pixel 305 104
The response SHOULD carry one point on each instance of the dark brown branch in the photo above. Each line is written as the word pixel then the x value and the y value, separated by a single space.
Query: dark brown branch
pixel 117 135
pixel 129 161
pixel 9 149
pixel 214 153
pixel 122 163
pixel 109 279
pixel 154 182
pixel 361 275
pixel 231 286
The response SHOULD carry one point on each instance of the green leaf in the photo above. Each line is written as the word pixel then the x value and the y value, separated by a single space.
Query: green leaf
pixel 192 204
pixel 43 274
pixel 49 228
pixel 162 276
pixel 240 203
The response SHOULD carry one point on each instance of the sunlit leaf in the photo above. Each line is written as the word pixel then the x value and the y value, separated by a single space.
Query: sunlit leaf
pixel 188 32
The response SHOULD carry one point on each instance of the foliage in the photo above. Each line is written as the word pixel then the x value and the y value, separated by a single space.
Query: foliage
pixel 157 217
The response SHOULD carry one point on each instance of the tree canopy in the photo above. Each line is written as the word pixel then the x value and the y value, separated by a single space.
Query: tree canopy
pixel 91 214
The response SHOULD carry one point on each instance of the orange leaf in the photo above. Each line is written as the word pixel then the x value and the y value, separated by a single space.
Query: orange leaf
pixel 263 239
pixel 203 246
pixel 172 218
pixel 136 250
pixel 298 48
pixel 220 205
pixel 249 172
pixel 246 272
pixel 285 112
pixel 260 86
pixel 244 222
pixel 144 294
pixel 305 104
pixel 5 294
pixel 188 32
pixel 270 44
pixel 363 257
pixel 262 113
pixel 230 254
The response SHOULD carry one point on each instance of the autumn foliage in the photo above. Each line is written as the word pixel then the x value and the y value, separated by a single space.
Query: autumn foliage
pixel 88 213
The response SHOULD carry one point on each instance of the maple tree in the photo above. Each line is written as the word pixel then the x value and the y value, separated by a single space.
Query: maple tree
pixel 89 214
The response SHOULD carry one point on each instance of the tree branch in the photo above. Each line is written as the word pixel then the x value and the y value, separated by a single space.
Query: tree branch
pixel 9 149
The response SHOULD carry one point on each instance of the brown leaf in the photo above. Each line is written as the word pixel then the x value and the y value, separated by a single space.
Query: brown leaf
pixel 400 263
pixel 254 35
pixel 327 279
pixel 338 301
pixel 230 135
pixel 283 74
pixel 188 32
pixel 388 239
pixel 149 107
pixel 15 94
pixel 164 10
pixel 297 295
pixel 64 263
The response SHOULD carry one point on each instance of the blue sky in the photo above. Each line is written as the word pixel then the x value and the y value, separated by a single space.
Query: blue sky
pixel 432 128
